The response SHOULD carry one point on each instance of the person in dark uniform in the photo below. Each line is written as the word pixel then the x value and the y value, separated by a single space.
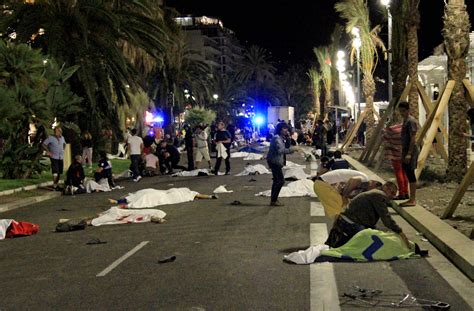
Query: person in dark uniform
pixel 189 144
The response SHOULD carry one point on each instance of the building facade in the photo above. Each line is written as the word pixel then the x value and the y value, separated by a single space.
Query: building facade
pixel 213 43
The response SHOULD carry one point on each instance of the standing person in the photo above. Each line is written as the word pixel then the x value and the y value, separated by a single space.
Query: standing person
pixel 86 143
pixel 361 133
pixel 223 143
pixel 409 150
pixel 202 149
pixel 276 161
pixel 135 149
pixel 54 145
pixel 189 143
pixel 393 153
pixel 319 137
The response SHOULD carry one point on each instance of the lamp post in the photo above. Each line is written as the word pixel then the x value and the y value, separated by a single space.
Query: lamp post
pixel 341 68
pixel 357 43
pixel 386 3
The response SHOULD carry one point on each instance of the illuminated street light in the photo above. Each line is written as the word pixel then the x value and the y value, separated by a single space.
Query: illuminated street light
pixel 215 96
pixel 357 44
pixel 385 2
pixel 355 31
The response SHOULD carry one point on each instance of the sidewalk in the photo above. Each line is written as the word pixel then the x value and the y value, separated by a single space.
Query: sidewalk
pixel 454 245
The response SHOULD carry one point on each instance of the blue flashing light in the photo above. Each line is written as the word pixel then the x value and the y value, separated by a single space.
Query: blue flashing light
pixel 259 120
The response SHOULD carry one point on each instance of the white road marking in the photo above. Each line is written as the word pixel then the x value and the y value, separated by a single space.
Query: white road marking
pixel 323 288
pixel 122 259
pixel 317 209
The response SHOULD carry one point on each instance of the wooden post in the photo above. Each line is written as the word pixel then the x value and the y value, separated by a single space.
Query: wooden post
pixel 352 133
pixel 458 195
pixel 470 92
pixel 372 144
pixel 433 129
pixel 429 106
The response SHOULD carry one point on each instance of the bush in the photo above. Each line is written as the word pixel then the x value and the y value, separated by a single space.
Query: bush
pixel 199 115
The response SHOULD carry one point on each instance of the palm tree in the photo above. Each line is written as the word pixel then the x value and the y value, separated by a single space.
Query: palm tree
pixel 412 23
pixel 456 41
pixel 229 89
pixel 357 15
pixel 315 78
pixel 399 47
pixel 99 36
pixel 324 60
pixel 256 70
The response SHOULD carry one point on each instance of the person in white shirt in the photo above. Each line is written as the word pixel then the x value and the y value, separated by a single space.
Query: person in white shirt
pixel 135 149
pixel 202 148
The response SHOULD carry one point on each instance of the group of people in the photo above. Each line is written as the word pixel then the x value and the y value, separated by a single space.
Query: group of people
pixel 55 144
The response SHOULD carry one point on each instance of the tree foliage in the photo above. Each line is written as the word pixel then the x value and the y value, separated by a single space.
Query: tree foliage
pixel 32 91
pixel 199 115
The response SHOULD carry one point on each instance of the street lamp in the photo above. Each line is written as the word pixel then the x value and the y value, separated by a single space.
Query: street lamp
pixel 386 3
pixel 357 43
pixel 215 96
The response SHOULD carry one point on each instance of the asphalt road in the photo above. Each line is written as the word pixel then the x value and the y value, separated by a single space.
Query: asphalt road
pixel 227 257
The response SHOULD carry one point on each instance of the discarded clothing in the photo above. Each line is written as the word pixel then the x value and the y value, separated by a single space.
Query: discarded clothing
pixel 147 198
pixel 116 216
pixel 299 188
pixel 70 226
pixel 295 173
pixel 10 228
pixel 222 189
pixel 254 170
pixel 306 256
pixel 342 175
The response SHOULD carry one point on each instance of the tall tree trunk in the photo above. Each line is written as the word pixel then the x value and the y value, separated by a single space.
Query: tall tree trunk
pixel 456 40
pixel 368 85
pixel 413 22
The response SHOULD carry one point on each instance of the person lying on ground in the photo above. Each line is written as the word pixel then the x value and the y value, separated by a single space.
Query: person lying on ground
pixel 104 170
pixel 355 186
pixel 363 212
pixel 147 198
pixel 341 175
pixel 75 177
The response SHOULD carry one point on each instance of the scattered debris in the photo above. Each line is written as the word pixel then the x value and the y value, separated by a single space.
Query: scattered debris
pixel 236 203
pixel 167 259
pixel 95 242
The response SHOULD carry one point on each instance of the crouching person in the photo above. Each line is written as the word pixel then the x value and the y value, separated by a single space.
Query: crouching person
pixel 75 177
pixel 104 170
pixel 363 212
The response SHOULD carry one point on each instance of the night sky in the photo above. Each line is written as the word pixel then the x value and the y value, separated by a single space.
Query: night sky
pixel 289 29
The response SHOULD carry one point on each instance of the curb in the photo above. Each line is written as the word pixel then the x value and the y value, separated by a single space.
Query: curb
pixel 27 201
pixel 26 188
pixel 453 244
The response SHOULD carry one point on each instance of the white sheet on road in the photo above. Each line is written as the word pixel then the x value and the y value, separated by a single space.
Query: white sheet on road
pixel 93 186
pixel 116 216
pixel 239 154
pixel 222 189
pixel 4 224
pixel 253 156
pixel 253 170
pixel 191 173
pixel 342 175
pixel 299 188
pixel 307 256
pixel 147 198
pixel 294 173
pixel 292 164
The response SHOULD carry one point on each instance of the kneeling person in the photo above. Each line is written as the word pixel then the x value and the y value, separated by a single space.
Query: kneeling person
pixel 75 177
pixel 363 212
